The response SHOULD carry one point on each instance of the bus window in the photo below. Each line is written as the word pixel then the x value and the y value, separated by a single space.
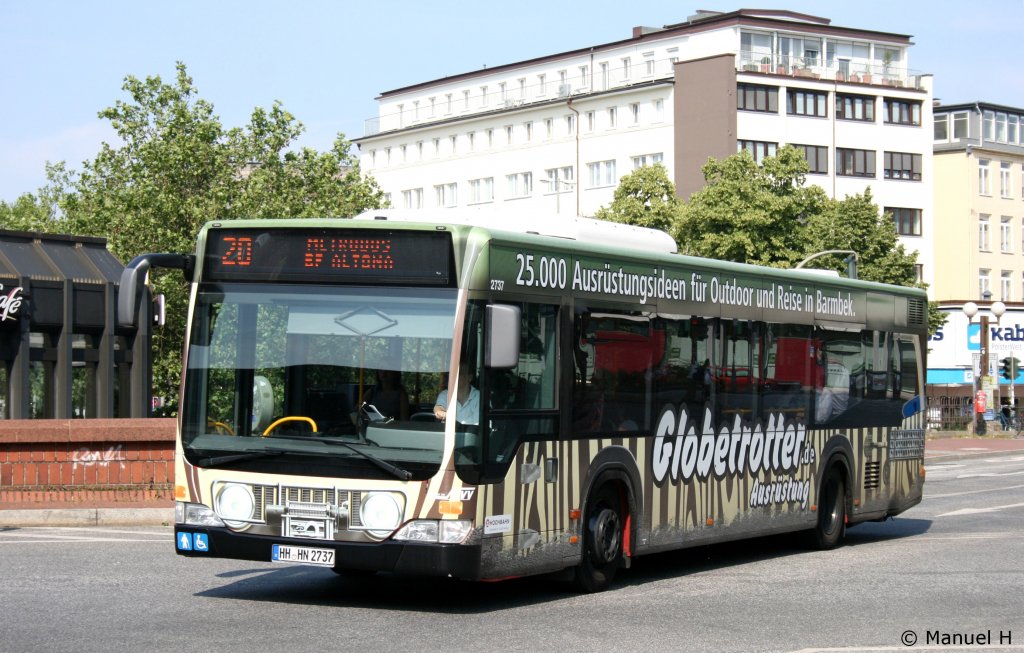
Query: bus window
pixel 522 401
pixel 616 354
pixel 736 371
pixel 789 370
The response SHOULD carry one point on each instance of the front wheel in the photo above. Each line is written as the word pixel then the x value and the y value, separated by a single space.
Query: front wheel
pixel 602 541
pixel 831 524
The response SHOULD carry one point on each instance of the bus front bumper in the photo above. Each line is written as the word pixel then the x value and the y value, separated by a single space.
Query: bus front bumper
pixel 456 560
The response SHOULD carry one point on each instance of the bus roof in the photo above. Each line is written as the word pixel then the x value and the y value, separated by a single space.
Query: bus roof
pixel 583 230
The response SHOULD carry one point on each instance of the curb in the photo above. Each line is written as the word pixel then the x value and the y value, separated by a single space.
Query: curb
pixel 87 517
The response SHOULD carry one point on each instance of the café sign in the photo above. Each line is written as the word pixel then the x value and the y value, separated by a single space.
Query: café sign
pixel 10 303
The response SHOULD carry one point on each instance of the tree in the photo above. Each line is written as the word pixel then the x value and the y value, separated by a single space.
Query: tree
pixel 646 198
pixel 751 213
pixel 177 167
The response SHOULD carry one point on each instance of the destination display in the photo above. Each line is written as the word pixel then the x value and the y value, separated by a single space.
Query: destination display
pixel 329 255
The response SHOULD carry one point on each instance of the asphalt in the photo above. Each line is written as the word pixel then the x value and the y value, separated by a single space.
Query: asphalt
pixel 939 447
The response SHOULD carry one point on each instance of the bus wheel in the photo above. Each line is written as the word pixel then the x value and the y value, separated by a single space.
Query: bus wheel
pixel 831 512
pixel 602 541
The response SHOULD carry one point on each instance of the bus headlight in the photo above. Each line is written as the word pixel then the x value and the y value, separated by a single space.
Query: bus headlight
pixel 235 504
pixel 445 531
pixel 380 514
pixel 195 514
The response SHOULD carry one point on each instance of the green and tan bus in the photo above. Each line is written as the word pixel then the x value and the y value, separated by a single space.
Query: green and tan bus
pixel 492 396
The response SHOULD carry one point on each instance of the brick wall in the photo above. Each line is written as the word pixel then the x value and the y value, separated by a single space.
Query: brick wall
pixel 86 462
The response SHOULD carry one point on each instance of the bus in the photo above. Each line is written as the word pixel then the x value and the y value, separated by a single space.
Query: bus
pixel 486 396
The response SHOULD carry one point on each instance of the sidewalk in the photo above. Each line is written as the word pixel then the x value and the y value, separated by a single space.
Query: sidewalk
pixel 939 447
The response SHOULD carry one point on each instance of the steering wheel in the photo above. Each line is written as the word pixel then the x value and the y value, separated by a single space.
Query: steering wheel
pixel 290 418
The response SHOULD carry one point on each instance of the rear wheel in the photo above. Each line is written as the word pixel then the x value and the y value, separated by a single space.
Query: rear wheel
pixel 831 511
pixel 602 541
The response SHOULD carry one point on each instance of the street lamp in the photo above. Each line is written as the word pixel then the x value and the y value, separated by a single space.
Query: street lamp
pixel 556 187
pixel 971 309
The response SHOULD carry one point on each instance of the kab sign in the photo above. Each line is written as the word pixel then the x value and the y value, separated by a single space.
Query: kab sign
pixel 1012 334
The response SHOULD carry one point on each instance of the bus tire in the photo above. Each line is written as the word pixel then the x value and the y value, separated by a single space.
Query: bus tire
pixel 831 526
pixel 602 540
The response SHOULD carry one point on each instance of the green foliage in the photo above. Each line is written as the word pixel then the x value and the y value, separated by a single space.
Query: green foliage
pixel 645 198
pixel 177 167
pixel 751 213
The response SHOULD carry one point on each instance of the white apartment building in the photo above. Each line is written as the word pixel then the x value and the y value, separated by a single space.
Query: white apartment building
pixel 557 133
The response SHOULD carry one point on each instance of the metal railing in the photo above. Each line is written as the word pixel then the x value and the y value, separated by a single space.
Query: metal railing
pixel 857 71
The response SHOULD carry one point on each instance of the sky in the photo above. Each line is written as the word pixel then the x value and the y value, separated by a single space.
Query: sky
pixel 62 61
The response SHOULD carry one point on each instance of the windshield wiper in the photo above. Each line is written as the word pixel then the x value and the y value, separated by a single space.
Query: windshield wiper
pixel 394 470
pixel 216 461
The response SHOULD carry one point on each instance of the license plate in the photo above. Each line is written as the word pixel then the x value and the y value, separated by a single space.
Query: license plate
pixel 303 555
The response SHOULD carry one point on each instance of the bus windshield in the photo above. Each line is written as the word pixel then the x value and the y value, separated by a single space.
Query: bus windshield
pixel 280 375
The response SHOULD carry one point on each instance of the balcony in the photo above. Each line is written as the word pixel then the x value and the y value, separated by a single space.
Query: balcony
pixel 855 71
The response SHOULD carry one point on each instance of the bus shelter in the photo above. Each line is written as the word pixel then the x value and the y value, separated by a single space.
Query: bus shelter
pixel 62 354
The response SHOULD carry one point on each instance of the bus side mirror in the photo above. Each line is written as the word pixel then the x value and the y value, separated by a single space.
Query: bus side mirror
pixel 503 325
pixel 133 277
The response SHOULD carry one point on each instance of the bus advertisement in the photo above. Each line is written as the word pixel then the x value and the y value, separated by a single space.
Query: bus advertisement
pixel 486 398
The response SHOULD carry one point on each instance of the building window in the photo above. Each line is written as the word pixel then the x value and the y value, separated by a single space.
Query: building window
pixel 634 111
pixel 1005 189
pixel 559 180
pixel 542 86
pixel 508 134
pixel 984 282
pixel 908 221
pixel 412 198
pixel 647 160
pixel 490 137
pixel 817 158
pixel 649 64
pixel 1005 284
pixel 570 124
pixel 855 163
pixel 983 186
pixel 591 118
pixel 902 165
pixel 549 128
pixel 625 68
pixel 483 96
pixel 983 244
pixel 901 112
pixel 941 128
pixel 502 92
pixel 520 184
pixel 601 173
pixel 754 97
pixel 613 117
pixel 1006 235
pixel 961 127
pixel 471 137
pixel 465 100
pixel 528 127
pixel 448 106
pixel 481 190
pixel 446 195
pixel 659 110
pixel 758 149
pixel 807 103
pixel 855 107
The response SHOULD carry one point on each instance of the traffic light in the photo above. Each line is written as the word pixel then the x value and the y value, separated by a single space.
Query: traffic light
pixel 1009 368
